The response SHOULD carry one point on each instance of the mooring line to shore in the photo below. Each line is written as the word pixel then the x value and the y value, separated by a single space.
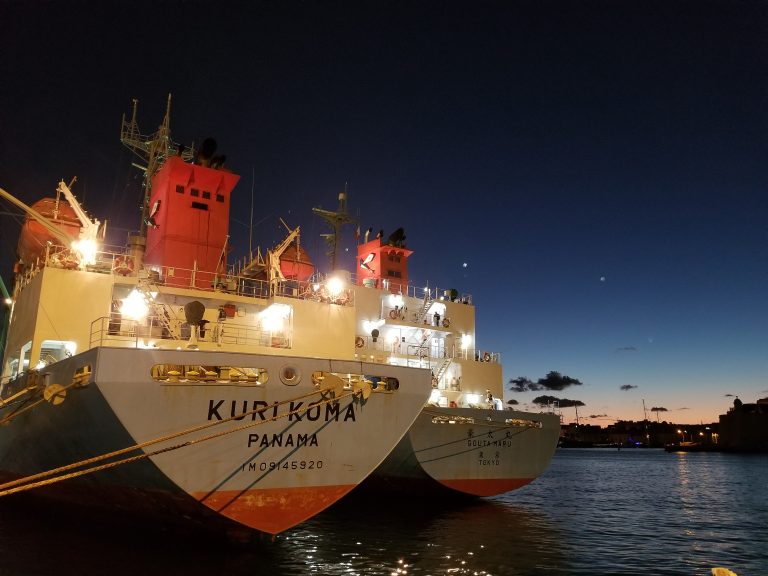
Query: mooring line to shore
pixel 11 399
pixel 30 482
pixel 24 408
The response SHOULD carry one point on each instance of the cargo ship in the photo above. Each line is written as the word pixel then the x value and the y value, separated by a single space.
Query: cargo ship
pixel 465 440
pixel 157 378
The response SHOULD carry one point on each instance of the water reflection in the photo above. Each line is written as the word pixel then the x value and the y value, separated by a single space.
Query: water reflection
pixel 592 512
pixel 356 537
pixel 468 537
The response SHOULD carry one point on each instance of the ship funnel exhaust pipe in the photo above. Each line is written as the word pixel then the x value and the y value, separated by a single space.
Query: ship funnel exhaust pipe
pixel 137 245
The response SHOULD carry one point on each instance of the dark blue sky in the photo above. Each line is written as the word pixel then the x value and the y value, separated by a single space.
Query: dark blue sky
pixel 598 166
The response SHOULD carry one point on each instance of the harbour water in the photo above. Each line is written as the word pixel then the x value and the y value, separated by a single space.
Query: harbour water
pixel 595 511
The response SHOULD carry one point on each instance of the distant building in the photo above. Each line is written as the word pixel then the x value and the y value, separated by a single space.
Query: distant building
pixel 645 433
pixel 745 427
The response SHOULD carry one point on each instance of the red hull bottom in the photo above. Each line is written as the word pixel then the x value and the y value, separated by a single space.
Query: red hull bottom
pixel 491 487
pixel 273 510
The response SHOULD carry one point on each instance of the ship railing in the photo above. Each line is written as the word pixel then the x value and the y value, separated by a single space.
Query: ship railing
pixel 120 262
pixel 115 331
pixel 410 289
pixel 56 256
pixel 246 285
pixel 434 355
pixel 25 277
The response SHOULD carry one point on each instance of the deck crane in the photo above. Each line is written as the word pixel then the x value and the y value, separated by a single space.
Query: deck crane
pixel 85 245
pixel 271 265
pixel 273 256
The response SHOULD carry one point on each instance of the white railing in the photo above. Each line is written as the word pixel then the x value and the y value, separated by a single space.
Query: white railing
pixel 427 352
pixel 412 290
pixel 119 262
pixel 116 331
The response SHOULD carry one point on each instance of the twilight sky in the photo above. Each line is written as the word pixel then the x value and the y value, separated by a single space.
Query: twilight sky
pixel 592 172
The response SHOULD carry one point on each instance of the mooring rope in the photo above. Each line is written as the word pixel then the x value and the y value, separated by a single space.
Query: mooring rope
pixel 29 482
pixel 24 408
pixel 11 399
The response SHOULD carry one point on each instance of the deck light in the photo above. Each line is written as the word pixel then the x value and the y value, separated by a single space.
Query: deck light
pixel 87 249
pixel 466 341
pixel 335 286
pixel 134 307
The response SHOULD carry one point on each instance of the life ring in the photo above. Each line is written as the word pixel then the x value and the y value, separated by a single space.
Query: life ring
pixel 393 314
pixel 359 342
pixel 446 322
pixel 123 265
pixel 486 357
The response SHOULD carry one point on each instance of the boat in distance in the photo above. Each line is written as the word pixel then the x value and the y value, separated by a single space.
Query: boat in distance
pixel 152 378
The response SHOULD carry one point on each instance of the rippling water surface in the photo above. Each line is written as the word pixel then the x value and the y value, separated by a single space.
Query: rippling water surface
pixel 593 512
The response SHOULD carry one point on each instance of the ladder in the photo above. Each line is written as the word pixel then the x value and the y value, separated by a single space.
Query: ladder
pixel 164 319
pixel 167 321
pixel 440 372
pixel 425 305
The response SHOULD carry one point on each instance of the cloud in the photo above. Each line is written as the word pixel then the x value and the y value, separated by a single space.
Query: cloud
pixel 598 415
pixel 683 408
pixel 521 384
pixel 626 349
pixel 659 409
pixel 552 381
pixel 557 381
pixel 627 387
pixel 561 402
pixel 729 394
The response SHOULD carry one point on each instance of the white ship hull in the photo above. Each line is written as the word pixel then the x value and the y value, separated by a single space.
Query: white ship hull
pixel 268 470
pixel 471 451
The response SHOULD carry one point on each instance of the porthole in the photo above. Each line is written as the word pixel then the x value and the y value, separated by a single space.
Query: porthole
pixel 290 376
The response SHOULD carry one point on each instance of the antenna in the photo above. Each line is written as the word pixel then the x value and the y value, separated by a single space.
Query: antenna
pixel 153 151
pixel 645 421
pixel 336 220
pixel 250 227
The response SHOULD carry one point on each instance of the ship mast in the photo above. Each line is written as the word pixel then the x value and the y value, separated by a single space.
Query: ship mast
pixel 336 220
pixel 153 150
pixel 645 421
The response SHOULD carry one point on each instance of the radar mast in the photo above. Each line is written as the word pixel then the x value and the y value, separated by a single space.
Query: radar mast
pixel 153 150
pixel 336 220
